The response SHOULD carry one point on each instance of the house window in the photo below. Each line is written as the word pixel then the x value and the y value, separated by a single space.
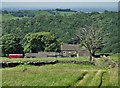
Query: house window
pixel 64 52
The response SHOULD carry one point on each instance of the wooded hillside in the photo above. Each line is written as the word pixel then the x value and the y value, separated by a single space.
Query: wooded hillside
pixel 64 25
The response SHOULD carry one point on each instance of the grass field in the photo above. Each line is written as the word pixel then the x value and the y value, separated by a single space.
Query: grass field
pixel 116 57
pixel 67 75
pixel 6 17
pixel 58 75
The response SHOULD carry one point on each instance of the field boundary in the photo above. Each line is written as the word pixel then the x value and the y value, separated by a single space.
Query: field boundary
pixel 40 63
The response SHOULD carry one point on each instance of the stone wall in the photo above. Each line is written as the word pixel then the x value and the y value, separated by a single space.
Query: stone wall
pixel 40 63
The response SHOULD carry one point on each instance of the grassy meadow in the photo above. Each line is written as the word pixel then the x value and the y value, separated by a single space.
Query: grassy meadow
pixel 115 57
pixel 58 75
pixel 66 75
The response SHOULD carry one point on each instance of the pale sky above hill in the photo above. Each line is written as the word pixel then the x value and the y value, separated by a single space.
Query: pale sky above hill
pixel 60 0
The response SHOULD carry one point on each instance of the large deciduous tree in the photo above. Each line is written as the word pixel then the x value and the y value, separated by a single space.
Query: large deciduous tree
pixel 93 38
pixel 11 44
pixel 40 41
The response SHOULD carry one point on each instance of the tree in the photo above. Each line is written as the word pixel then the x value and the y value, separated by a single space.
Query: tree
pixel 92 38
pixel 11 44
pixel 40 41
pixel 75 40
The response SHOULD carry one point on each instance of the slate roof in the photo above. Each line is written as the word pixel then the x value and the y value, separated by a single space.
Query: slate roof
pixel 66 47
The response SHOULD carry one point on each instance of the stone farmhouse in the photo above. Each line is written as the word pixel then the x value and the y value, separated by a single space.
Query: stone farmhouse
pixel 73 50
pixel 67 50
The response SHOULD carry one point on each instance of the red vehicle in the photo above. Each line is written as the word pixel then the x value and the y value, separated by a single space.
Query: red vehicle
pixel 15 56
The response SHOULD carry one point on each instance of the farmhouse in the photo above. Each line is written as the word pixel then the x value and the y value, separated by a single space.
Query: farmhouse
pixel 73 50
pixel 67 50
pixel 70 50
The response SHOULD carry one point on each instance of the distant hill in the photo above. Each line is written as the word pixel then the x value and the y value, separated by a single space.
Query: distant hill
pixel 8 15
pixel 64 24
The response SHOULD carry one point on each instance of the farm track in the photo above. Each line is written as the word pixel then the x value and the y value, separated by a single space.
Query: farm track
pixel 84 73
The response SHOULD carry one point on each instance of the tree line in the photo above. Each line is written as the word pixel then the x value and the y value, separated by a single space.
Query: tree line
pixel 20 13
pixel 32 43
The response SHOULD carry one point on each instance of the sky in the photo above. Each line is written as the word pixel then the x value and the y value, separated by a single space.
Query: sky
pixel 93 6
pixel 60 0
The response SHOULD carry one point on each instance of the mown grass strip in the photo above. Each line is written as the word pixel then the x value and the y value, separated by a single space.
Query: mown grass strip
pixel 86 79
pixel 106 79
pixel 81 76
pixel 110 78
pixel 97 78
pixel 113 76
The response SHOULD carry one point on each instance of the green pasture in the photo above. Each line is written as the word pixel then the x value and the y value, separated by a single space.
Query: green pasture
pixel 6 17
pixel 66 75
pixel 115 57
pixel 58 75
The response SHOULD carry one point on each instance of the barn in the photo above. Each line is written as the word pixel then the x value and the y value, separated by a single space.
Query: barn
pixel 30 55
